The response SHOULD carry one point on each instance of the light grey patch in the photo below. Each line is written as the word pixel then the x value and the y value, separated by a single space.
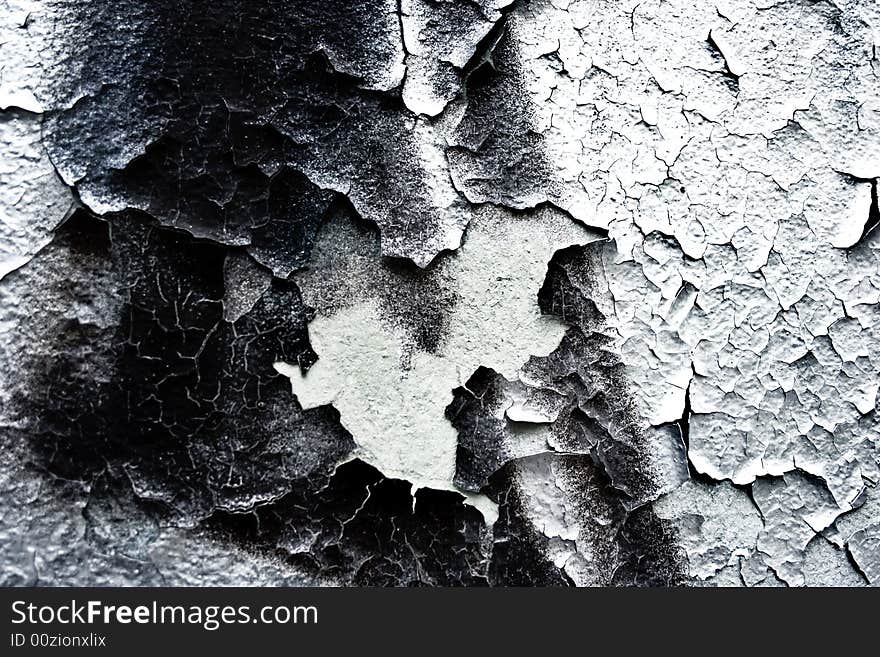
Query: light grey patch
pixel 390 391
pixel 864 546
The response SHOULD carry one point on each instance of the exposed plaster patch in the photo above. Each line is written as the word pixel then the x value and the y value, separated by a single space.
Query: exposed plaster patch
pixel 391 394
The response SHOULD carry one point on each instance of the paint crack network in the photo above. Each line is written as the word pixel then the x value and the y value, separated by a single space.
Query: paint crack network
pixel 395 292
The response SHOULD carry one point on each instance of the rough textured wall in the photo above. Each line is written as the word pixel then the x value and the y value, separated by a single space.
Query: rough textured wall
pixel 442 292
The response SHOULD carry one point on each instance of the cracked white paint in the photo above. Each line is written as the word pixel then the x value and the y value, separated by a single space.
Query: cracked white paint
pixel 729 202
pixel 33 201
pixel 729 148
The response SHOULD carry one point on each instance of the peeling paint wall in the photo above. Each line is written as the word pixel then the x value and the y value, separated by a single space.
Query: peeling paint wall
pixel 442 292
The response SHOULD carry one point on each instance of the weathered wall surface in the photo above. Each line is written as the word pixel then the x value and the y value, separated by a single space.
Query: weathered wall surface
pixel 449 292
